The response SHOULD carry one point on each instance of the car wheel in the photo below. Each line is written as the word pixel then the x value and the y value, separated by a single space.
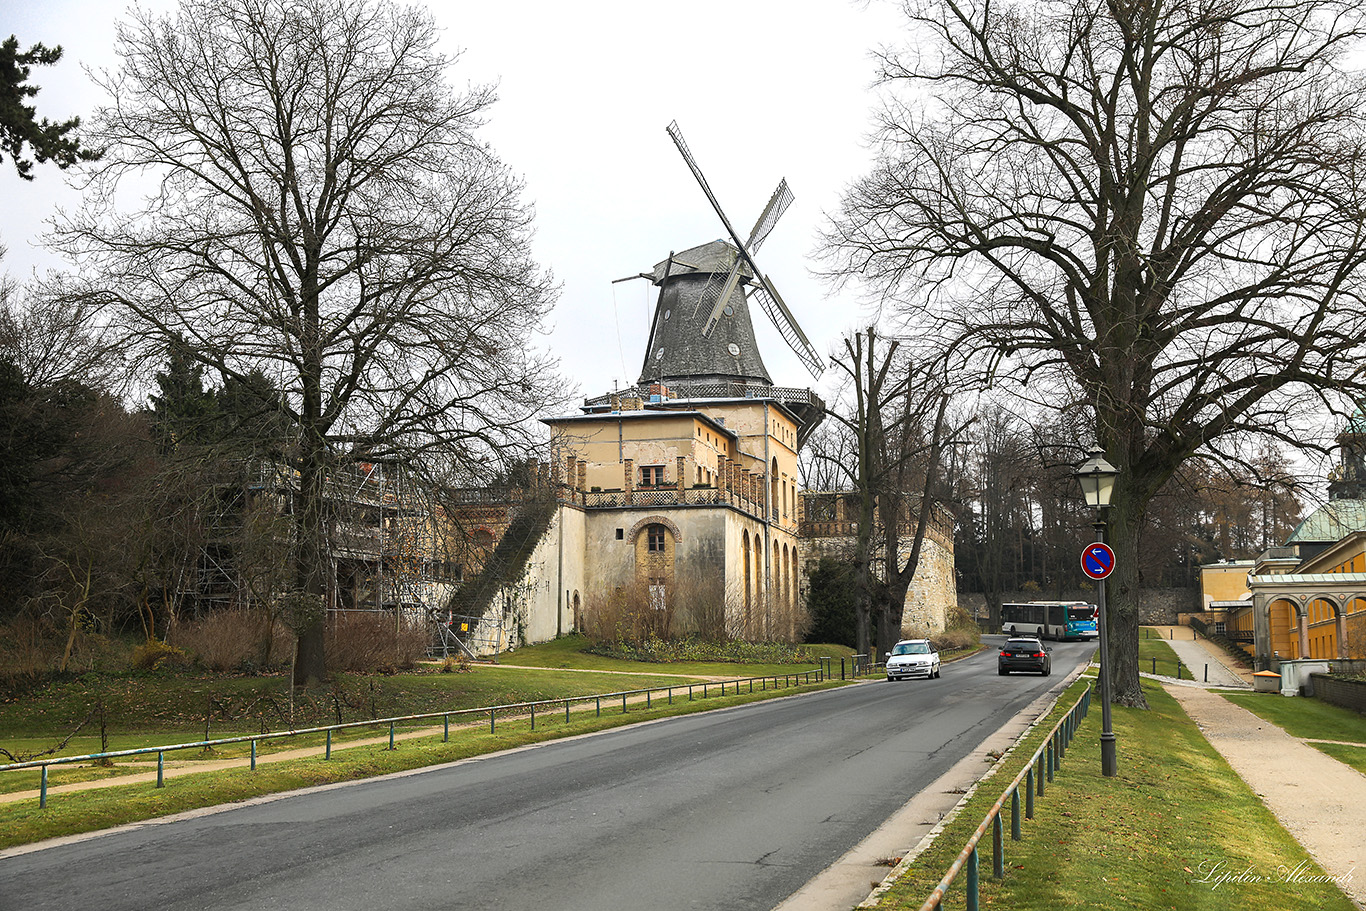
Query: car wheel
pixel 890 678
pixel 936 673
pixel 1002 671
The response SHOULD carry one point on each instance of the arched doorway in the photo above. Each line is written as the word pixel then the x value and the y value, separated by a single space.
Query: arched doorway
pixel 1284 623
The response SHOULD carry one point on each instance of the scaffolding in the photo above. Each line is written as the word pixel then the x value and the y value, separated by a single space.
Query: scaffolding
pixel 383 544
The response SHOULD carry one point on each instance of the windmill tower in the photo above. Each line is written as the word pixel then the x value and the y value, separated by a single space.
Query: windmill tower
pixel 702 329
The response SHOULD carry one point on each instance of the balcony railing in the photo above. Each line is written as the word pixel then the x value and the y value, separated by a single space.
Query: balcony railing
pixel 665 497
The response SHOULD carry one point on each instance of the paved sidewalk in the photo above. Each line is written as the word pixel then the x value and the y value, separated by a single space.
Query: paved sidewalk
pixel 1201 657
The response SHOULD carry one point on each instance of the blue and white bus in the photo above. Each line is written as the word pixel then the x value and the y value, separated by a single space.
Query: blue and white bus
pixel 1050 619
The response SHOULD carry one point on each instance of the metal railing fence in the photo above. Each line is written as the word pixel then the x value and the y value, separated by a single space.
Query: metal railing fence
pixel 1041 767
pixel 511 710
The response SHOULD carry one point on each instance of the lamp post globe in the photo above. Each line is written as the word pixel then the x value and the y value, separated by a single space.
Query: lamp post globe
pixel 1097 478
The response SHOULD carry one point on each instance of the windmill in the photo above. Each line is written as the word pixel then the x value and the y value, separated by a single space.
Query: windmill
pixel 702 327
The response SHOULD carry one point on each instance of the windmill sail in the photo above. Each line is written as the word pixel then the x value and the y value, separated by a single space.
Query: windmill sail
pixel 781 317
pixel 777 205
pixel 768 296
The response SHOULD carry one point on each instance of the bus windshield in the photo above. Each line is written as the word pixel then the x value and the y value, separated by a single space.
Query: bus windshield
pixel 1081 612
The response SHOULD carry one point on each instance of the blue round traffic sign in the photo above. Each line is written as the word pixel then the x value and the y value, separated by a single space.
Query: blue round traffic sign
pixel 1098 560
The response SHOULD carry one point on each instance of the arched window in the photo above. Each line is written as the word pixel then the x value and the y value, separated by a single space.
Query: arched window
pixel 744 563
pixel 773 489
pixel 787 565
pixel 759 582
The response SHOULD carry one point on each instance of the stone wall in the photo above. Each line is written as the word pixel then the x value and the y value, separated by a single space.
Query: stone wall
pixel 933 592
pixel 1349 694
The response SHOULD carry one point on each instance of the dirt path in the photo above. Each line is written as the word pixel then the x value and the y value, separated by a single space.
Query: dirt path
pixel 174 768
pixel 1315 797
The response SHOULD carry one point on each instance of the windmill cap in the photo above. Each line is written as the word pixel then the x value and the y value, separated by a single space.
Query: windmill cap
pixel 717 256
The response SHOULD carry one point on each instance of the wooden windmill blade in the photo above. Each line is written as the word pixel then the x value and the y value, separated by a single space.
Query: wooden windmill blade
pixel 787 327
pixel 769 299
pixel 777 204
pixel 677 136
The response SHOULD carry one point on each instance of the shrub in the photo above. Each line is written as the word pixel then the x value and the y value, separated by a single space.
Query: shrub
pixel 693 648
pixel 955 638
pixel 29 648
pixel 366 642
pixel 155 654
pixel 455 664
pixel 830 599
pixel 235 639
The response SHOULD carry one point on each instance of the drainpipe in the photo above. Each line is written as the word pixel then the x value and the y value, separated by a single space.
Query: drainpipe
pixel 559 583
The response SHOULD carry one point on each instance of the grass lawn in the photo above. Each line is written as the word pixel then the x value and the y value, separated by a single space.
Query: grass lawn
pixel 1176 829
pixel 1304 717
pixel 85 811
pixel 1353 756
pixel 153 709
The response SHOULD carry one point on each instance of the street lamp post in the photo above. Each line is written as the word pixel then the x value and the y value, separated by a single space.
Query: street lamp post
pixel 1097 478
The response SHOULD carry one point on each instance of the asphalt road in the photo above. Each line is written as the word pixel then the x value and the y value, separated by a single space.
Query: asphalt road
pixel 731 810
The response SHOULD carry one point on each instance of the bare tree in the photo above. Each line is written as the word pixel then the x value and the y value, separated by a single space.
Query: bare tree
pixel 323 212
pixel 1156 210
pixel 899 426
pixel 996 508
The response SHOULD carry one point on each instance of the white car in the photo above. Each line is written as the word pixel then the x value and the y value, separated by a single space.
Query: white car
pixel 913 658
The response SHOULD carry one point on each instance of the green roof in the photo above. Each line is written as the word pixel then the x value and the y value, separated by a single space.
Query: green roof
pixel 1331 522
pixel 1356 423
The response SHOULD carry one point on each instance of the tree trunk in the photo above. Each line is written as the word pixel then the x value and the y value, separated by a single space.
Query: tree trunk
pixel 312 558
pixel 994 598
pixel 1124 519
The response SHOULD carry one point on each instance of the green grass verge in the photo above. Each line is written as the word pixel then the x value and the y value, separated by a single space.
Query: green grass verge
pixel 1353 756
pixel 137 704
pixel 1304 717
pixel 1157 657
pixel 99 808
pixel 1176 829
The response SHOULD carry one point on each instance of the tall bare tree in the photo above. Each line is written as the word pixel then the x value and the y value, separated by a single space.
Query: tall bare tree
pixel 1151 211
pixel 322 210
pixel 996 507
pixel 898 426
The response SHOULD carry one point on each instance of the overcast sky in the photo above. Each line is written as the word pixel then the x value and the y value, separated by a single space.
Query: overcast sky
pixel 762 89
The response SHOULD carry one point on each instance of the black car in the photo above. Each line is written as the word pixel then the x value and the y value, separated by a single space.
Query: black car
pixel 1024 654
